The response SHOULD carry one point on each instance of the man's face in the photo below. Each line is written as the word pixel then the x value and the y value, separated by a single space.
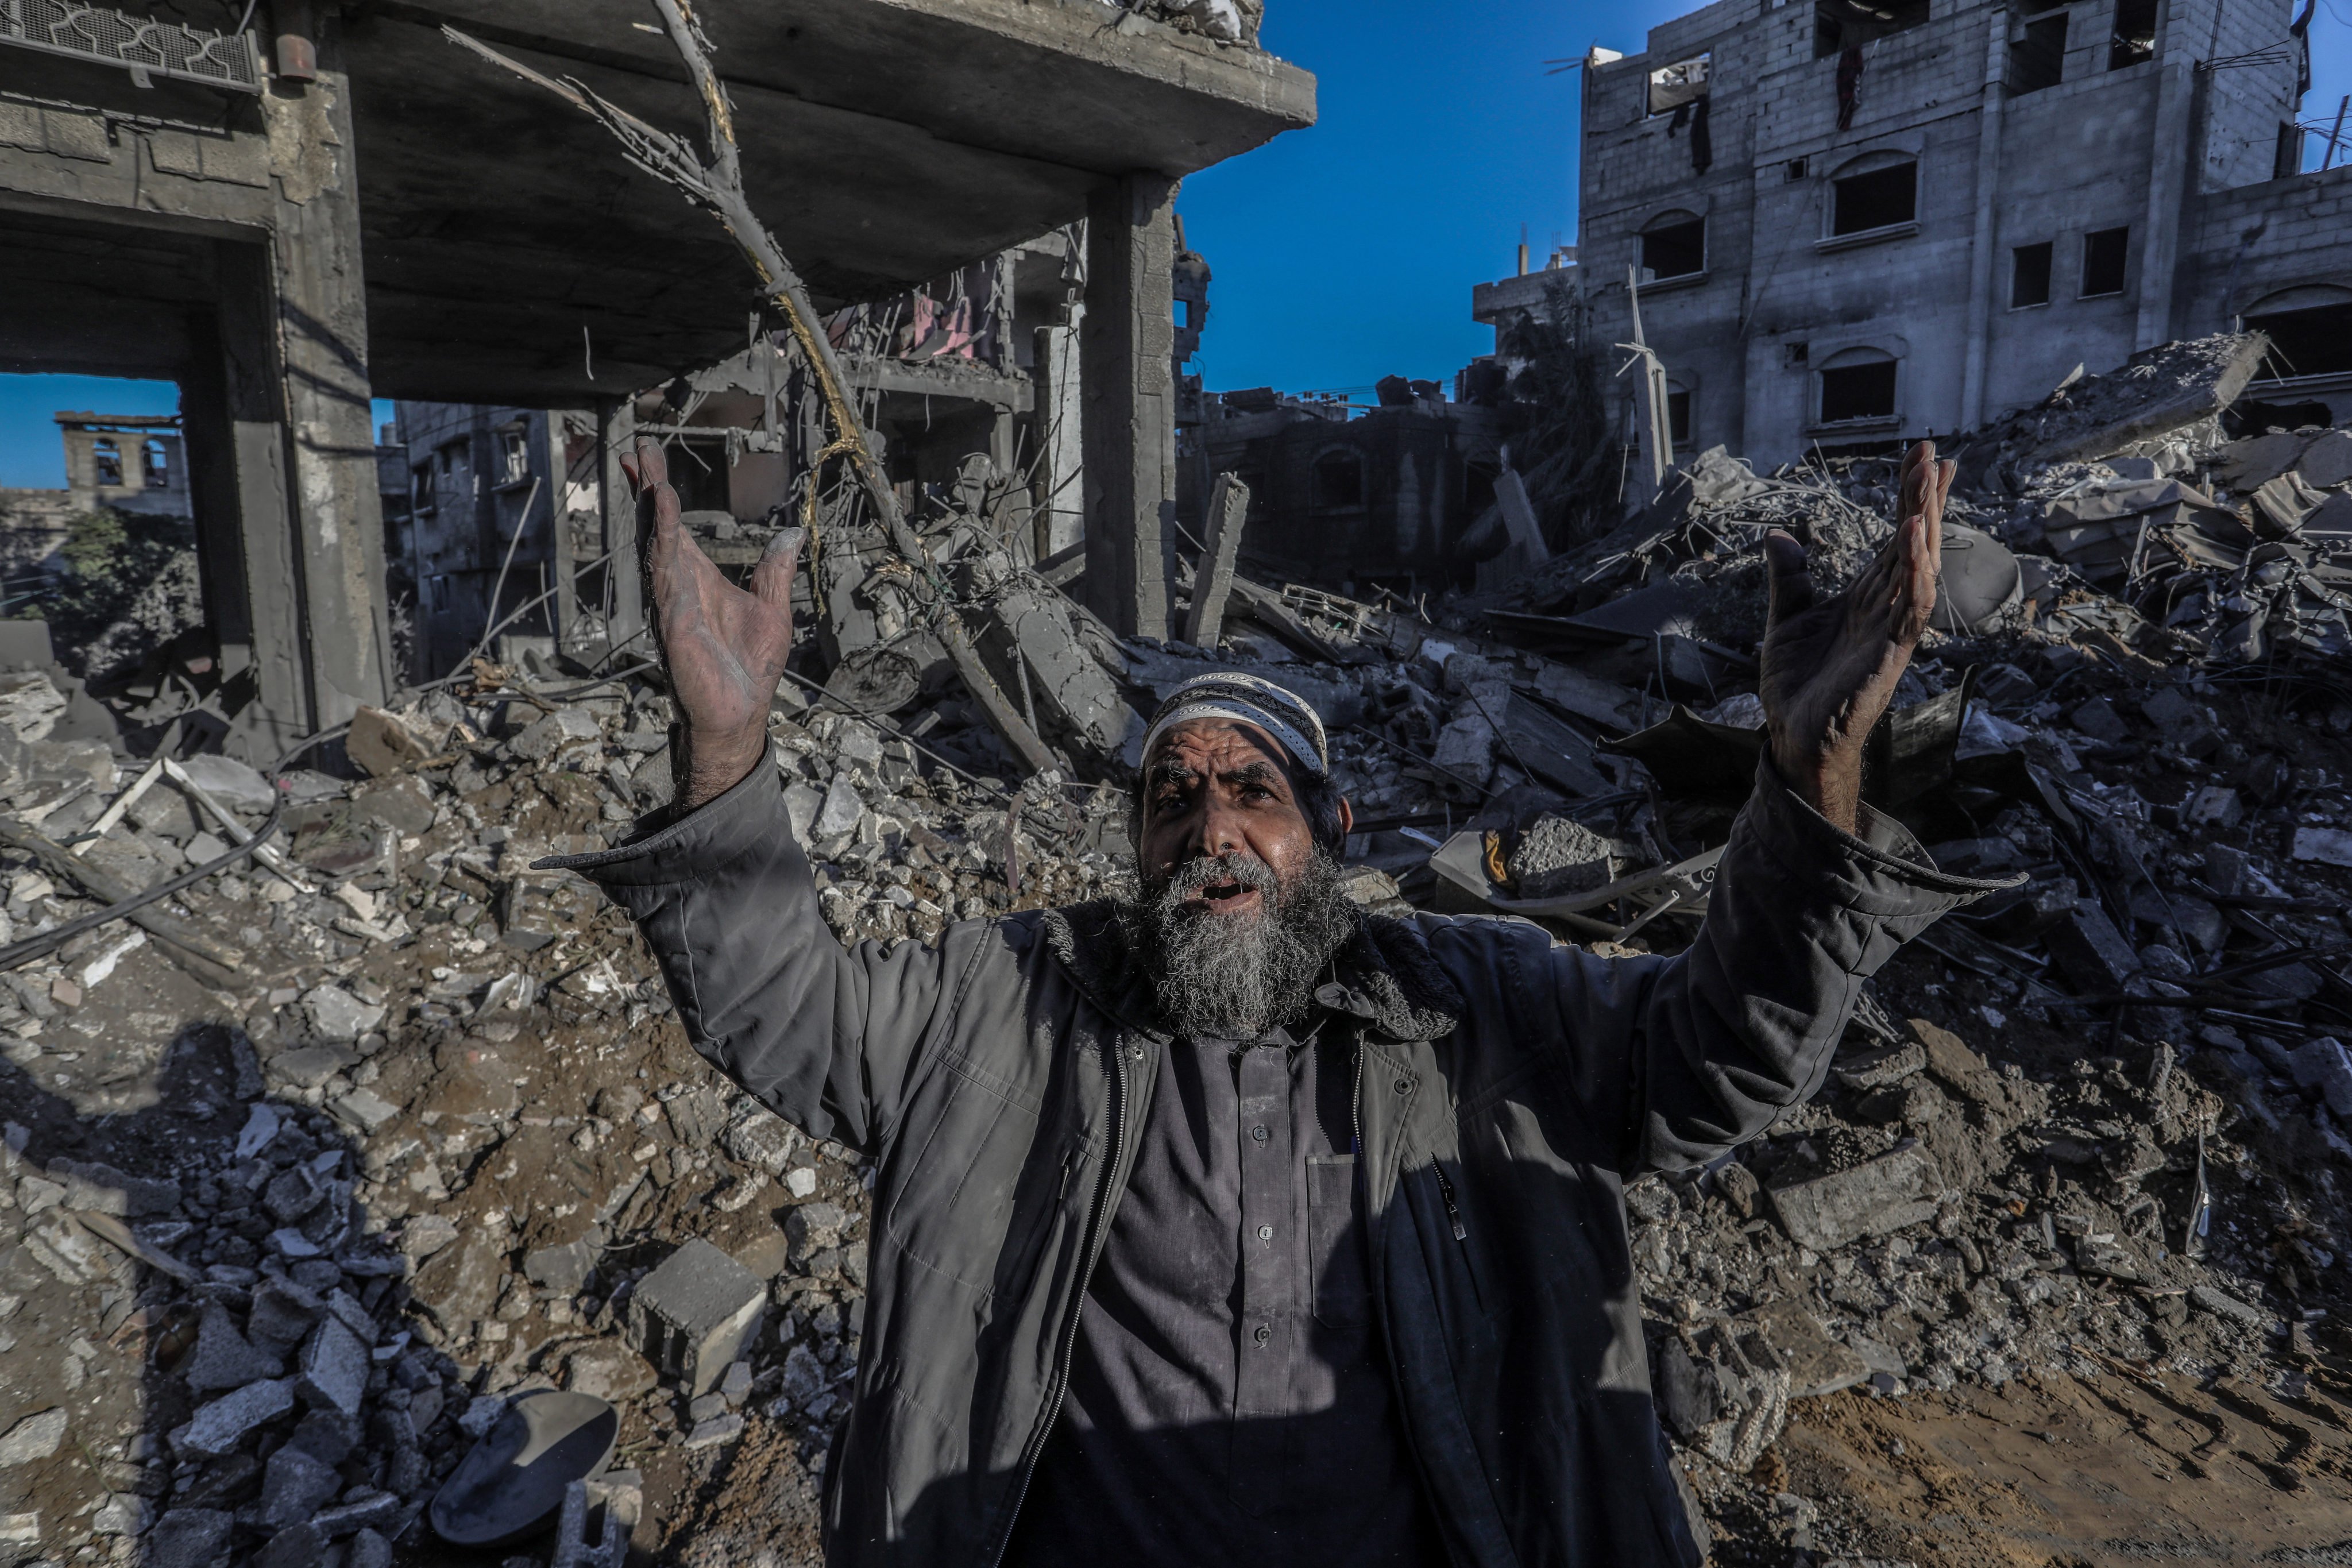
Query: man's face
pixel 1240 911
pixel 1215 788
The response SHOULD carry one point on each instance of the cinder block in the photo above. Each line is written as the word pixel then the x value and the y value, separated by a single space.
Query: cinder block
pixel 695 1314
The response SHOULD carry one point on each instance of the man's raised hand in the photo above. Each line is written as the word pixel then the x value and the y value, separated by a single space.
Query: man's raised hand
pixel 1830 665
pixel 725 649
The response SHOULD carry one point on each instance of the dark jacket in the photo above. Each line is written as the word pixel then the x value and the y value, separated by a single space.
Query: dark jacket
pixel 1507 1082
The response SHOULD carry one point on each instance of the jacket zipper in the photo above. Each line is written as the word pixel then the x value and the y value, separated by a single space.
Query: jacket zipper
pixel 1070 1340
pixel 1445 1191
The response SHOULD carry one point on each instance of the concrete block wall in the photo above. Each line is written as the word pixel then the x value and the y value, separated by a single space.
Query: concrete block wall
pixel 2259 240
pixel 2243 106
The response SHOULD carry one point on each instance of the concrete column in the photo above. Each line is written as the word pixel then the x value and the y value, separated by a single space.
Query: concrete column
pixel 1127 348
pixel 2168 197
pixel 1061 468
pixel 321 304
pixel 562 610
pixel 616 431
pixel 256 578
pixel 1984 272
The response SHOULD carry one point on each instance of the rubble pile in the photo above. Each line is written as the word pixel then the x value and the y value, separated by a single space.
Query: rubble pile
pixel 380 1139
pixel 321 1171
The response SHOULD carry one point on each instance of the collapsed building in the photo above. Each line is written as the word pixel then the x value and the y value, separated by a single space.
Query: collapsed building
pixel 339 204
pixel 1910 218
pixel 349 1156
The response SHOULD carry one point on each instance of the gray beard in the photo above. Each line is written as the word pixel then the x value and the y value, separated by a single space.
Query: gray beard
pixel 1236 976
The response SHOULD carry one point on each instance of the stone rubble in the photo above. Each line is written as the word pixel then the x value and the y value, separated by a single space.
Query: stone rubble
pixel 273 1254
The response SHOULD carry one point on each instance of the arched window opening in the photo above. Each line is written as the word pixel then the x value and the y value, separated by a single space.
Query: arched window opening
pixel 1857 384
pixel 2310 330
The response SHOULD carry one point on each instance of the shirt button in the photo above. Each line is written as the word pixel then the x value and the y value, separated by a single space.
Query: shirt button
pixel 1266 1233
pixel 1260 1134
pixel 1262 1333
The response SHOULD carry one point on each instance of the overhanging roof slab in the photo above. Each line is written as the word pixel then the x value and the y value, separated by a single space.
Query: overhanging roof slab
pixel 511 251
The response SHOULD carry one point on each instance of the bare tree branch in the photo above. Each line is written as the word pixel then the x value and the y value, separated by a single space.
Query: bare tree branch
pixel 717 185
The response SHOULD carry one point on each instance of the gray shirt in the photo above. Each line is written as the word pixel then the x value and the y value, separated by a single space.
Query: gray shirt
pixel 1227 1400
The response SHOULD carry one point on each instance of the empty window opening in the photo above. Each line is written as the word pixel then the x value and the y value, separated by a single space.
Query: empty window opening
pixel 2029 275
pixel 2135 37
pixel 1673 245
pixel 2105 252
pixel 1678 416
pixel 1685 82
pixel 1338 481
pixel 107 458
pixel 155 464
pixel 1858 384
pixel 1842 24
pixel 1879 198
pixel 2287 161
pixel 2037 56
pixel 421 492
pixel 514 458
pixel 1794 354
pixel 2315 340
pixel 1796 170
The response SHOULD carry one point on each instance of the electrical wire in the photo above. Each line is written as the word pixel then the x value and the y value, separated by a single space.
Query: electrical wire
pixel 16 955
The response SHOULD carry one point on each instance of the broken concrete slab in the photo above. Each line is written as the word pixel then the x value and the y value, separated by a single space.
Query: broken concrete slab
pixel 2089 949
pixel 34 1436
pixel 223 1358
pixel 1559 856
pixel 1875 1198
pixel 219 1426
pixel 1724 1392
pixel 234 785
pixel 337 1014
pixel 189 1538
pixel 333 1372
pixel 381 745
pixel 1817 1364
pixel 294 1486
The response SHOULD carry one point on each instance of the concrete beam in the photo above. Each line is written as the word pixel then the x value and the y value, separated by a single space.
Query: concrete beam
pixel 1229 502
pixel 616 434
pixel 1126 349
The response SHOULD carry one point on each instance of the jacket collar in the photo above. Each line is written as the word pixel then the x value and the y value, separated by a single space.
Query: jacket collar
pixel 1384 974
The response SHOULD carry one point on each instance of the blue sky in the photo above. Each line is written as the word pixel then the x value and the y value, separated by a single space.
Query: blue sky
pixel 1346 252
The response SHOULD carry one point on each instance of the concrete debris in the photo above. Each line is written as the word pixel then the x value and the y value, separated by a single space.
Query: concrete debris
pixel 34 1437
pixel 439 1142
pixel 692 1315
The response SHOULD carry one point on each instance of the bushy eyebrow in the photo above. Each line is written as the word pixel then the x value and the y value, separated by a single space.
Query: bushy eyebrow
pixel 1261 772
pixel 1168 771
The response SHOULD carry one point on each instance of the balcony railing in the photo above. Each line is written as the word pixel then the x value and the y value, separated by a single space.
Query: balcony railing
pixel 146 49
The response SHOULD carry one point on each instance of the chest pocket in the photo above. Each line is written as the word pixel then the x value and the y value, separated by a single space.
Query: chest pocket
pixel 1335 1238
pixel 980 1166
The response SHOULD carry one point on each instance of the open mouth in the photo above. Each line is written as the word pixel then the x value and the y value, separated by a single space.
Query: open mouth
pixel 1217 895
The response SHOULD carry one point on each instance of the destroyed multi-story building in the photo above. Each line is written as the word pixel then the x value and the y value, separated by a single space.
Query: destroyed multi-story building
pixel 288 209
pixel 976 371
pixel 129 462
pixel 1366 499
pixel 1849 226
